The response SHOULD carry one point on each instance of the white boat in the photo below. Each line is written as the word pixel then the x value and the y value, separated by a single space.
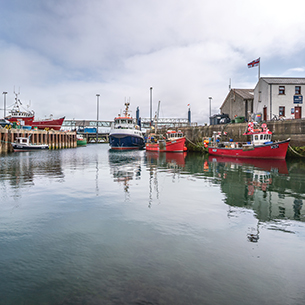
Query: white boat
pixel 124 133
pixel 24 144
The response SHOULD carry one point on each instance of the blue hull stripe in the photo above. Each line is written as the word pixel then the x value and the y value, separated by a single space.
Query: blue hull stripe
pixel 129 141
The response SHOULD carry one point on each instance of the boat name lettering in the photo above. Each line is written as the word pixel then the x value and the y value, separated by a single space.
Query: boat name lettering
pixel 274 146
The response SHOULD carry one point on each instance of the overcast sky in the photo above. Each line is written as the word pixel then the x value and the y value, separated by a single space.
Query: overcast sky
pixel 62 53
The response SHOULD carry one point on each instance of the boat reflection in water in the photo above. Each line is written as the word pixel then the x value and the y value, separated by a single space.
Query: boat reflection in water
pixel 175 160
pixel 125 166
pixel 262 185
pixel 279 166
pixel 155 161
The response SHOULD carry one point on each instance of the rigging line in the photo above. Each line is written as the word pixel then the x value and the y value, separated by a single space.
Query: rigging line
pixel 194 143
pixel 296 152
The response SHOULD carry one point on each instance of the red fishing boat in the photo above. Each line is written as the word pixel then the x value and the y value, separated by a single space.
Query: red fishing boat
pixel 259 146
pixel 27 117
pixel 49 123
pixel 174 142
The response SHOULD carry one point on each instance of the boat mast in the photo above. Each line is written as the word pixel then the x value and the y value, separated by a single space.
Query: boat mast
pixel 126 109
pixel 17 101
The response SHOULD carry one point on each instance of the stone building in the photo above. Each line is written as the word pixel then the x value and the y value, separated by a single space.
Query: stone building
pixel 239 102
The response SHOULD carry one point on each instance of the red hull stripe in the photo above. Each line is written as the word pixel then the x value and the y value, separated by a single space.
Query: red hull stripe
pixel 275 150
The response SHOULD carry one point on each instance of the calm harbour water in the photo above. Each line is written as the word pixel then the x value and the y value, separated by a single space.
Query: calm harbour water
pixel 92 226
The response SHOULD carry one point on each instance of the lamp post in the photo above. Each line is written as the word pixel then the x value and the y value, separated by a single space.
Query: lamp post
pixel 150 123
pixel 97 111
pixel 4 108
pixel 210 98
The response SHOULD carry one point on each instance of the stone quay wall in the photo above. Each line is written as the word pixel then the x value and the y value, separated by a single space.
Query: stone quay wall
pixel 282 130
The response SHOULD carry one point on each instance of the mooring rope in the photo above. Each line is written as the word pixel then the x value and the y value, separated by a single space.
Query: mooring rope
pixel 194 143
pixel 296 152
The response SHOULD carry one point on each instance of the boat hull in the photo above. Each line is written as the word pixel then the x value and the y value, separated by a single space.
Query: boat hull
pixel 177 145
pixel 19 147
pixel 81 142
pixel 274 150
pixel 54 124
pixel 25 120
pixel 124 141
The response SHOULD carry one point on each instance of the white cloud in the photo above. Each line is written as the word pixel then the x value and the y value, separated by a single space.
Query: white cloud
pixel 62 53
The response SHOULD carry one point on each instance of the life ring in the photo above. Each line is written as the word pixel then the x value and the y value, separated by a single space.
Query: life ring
pixel 18 123
pixel 264 126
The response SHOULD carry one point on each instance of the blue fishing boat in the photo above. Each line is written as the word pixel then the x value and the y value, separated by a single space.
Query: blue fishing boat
pixel 125 133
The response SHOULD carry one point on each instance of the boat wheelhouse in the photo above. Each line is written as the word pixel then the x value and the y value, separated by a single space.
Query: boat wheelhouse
pixel 21 117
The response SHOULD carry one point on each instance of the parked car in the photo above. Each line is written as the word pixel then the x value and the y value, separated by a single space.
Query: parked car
pixel 224 121
pixel 4 122
pixel 219 119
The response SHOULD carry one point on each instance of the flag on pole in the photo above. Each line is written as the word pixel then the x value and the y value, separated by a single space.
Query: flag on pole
pixel 253 63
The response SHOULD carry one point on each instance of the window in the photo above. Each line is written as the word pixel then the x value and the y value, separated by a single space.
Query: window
pixel 281 89
pixel 297 90
pixel 281 111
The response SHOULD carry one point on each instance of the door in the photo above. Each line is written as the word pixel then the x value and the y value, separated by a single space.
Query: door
pixel 265 114
pixel 297 112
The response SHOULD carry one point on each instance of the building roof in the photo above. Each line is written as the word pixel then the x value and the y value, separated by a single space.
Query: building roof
pixel 246 94
pixel 284 80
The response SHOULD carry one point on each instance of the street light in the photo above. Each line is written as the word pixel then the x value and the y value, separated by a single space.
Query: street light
pixel 150 106
pixel 97 111
pixel 210 98
pixel 4 108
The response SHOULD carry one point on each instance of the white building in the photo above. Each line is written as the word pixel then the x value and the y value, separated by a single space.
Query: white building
pixel 279 96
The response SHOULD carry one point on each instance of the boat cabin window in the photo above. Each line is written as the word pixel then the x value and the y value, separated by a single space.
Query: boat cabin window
pixel 123 121
pixel 256 137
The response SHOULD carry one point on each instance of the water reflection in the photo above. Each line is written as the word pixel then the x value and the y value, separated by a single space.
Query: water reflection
pixel 155 161
pixel 169 160
pixel 266 186
pixel 21 169
pixel 125 166
pixel 206 229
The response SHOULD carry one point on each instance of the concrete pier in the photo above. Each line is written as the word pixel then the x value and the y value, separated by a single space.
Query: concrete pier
pixel 54 139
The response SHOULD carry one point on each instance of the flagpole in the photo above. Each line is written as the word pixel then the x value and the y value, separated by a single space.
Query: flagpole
pixel 259 68
pixel 259 75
